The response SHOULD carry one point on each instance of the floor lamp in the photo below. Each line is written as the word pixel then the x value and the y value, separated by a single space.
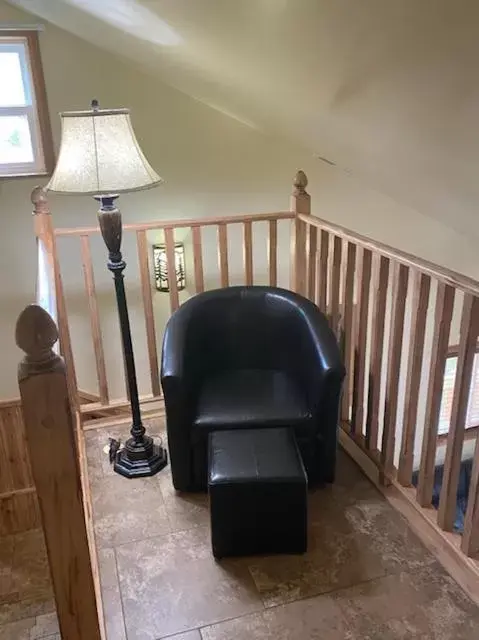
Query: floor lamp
pixel 100 156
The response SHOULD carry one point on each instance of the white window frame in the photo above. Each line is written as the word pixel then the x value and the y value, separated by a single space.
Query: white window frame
pixel 36 110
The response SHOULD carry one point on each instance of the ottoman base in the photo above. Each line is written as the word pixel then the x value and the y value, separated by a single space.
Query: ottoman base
pixel 258 493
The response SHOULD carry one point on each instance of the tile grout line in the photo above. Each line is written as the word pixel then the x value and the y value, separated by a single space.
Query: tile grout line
pixel 120 593
pixel 153 537
pixel 274 606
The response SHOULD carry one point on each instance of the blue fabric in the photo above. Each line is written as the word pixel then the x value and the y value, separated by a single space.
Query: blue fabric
pixel 462 491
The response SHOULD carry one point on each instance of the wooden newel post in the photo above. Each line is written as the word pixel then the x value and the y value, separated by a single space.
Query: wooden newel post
pixel 300 204
pixel 50 435
pixel 44 232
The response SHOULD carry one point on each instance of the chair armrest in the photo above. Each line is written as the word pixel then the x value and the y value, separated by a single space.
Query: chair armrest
pixel 319 359
pixel 176 381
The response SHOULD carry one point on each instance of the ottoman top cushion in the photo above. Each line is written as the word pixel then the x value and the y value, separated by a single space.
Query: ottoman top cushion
pixel 254 455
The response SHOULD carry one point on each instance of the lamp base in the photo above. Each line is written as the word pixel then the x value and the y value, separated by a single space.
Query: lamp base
pixel 140 459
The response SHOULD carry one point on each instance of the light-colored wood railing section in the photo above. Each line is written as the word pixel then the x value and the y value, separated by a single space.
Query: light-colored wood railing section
pixel 312 262
pixel 393 314
pixel 94 318
pixel 455 438
pixel 146 285
pixel 360 354
pixel 49 236
pixel 470 538
pixel 53 446
pixel 248 252
pixel 300 204
pixel 377 348
pixel 335 282
pixel 347 331
pixel 45 233
pixel 442 326
pixel 417 336
pixel 393 367
pixel 171 267
pixel 181 223
pixel 322 275
pixel 198 259
pixel 273 252
pixel 453 278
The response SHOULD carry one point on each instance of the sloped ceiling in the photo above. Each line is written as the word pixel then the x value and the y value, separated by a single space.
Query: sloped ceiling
pixel 386 89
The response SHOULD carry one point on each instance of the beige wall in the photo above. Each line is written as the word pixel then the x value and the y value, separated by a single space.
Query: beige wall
pixel 211 163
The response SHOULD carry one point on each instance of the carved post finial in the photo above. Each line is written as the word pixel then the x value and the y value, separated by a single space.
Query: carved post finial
pixel 39 200
pixel 300 181
pixel 35 334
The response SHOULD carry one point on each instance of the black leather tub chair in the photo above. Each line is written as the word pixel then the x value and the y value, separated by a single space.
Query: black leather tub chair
pixel 249 357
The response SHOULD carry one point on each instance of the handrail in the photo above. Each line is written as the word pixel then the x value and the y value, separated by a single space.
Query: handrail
pixel 448 276
pixel 179 224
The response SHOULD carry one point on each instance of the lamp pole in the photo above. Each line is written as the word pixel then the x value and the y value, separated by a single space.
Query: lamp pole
pixel 100 156
pixel 140 456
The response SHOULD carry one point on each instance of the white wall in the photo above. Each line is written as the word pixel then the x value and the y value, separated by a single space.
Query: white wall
pixel 212 164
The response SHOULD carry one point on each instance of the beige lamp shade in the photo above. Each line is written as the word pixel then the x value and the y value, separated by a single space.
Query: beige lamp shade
pixel 100 154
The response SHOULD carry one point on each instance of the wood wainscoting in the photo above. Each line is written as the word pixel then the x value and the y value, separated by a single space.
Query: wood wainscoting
pixel 18 499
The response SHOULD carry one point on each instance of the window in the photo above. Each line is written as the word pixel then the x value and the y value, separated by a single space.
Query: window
pixel 25 134
pixel 472 416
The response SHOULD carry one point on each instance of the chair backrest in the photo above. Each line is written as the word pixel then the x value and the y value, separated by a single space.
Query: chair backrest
pixel 248 328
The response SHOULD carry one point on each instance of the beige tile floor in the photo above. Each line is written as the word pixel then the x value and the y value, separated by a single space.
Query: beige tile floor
pixel 27 608
pixel 365 575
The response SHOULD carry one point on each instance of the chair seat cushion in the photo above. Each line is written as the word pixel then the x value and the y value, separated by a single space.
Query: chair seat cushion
pixel 250 398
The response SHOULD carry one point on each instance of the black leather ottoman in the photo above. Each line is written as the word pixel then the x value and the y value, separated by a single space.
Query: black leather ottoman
pixel 258 492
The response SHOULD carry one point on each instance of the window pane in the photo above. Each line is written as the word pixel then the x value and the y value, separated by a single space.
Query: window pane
pixel 12 90
pixel 447 395
pixel 15 140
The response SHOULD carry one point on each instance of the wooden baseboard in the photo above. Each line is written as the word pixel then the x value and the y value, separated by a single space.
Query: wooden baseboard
pixel 360 457
pixel 11 402
pixel 444 545
pixel 113 421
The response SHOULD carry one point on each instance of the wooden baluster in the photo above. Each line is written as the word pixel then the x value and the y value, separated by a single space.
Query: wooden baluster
pixel 44 230
pixel 394 366
pixel 335 280
pixel 377 344
pixel 322 277
pixel 248 252
pixel 312 259
pixel 462 386
pixel 348 308
pixel 420 304
pixel 94 318
pixel 273 253
pixel 364 283
pixel 146 284
pixel 300 204
pixel 50 435
pixel 442 325
pixel 198 260
pixel 223 254
pixel 171 267
pixel 470 537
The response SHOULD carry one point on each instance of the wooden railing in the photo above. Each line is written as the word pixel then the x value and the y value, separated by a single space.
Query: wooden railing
pixel 49 237
pixel 392 313
pixel 57 454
